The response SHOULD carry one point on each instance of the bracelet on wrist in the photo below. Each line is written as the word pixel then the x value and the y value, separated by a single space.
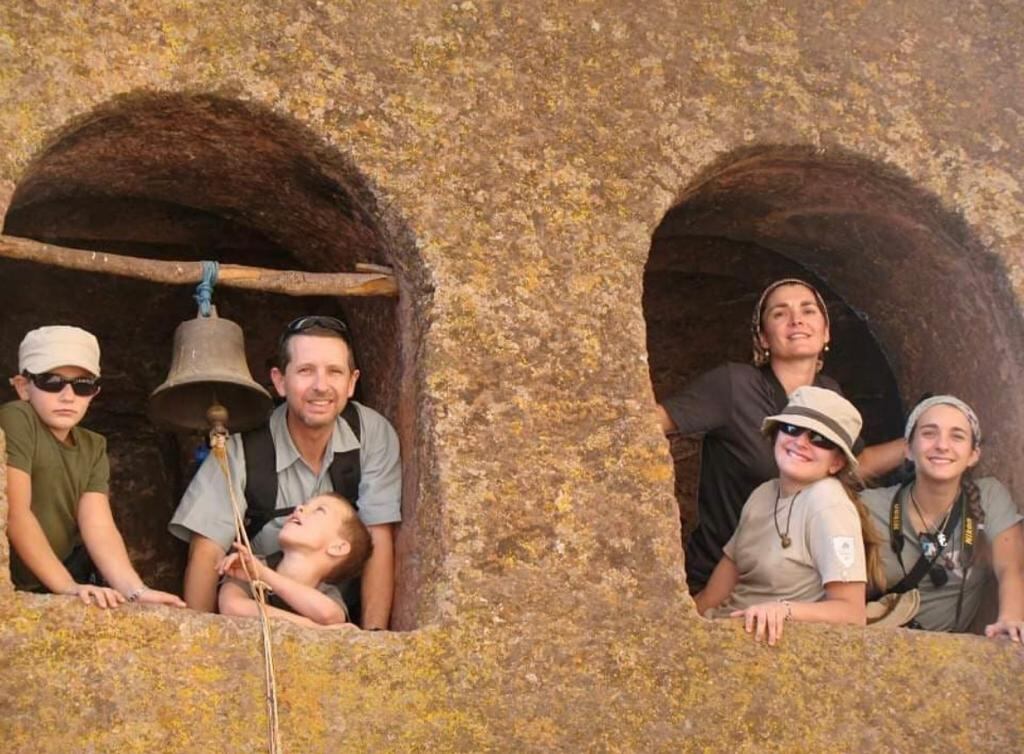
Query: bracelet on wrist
pixel 789 609
pixel 134 596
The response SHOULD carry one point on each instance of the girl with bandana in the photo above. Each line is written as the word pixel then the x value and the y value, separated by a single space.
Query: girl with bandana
pixel 966 530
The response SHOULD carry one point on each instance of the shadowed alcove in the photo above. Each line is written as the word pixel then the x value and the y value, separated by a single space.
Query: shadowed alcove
pixel 189 178
pixel 917 305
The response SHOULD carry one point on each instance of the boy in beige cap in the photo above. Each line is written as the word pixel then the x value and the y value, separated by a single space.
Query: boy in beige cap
pixel 59 521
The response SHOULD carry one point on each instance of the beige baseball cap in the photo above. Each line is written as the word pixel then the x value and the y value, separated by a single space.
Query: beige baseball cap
pixel 53 346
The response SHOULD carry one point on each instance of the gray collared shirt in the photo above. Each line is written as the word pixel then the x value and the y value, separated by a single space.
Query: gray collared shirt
pixel 206 506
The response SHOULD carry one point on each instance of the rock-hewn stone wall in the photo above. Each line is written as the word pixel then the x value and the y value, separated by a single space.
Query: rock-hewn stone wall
pixel 520 157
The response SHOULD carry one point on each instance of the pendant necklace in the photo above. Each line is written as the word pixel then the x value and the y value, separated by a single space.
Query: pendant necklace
pixel 784 535
pixel 938 533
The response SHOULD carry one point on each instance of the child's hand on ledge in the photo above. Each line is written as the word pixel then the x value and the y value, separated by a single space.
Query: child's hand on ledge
pixel 90 594
pixel 156 597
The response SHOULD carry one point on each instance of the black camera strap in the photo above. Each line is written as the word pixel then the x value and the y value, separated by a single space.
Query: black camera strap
pixel 897 539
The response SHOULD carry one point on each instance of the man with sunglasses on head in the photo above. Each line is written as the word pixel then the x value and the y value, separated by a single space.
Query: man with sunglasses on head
pixel 315 441
pixel 59 521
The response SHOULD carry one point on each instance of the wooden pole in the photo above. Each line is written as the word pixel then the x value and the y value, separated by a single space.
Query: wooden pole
pixel 289 282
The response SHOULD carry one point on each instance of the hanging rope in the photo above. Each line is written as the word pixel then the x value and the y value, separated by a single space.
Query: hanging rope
pixel 204 291
pixel 218 446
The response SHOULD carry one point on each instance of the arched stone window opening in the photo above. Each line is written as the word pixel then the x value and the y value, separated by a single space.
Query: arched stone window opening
pixel 917 304
pixel 189 178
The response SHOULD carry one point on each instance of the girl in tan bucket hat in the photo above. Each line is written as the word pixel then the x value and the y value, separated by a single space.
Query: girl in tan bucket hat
pixel 798 552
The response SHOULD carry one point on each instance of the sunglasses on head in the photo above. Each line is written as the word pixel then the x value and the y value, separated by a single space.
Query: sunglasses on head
pixel 302 324
pixel 814 438
pixel 50 382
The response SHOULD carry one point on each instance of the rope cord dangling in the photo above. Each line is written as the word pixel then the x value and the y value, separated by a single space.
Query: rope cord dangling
pixel 218 447
pixel 204 291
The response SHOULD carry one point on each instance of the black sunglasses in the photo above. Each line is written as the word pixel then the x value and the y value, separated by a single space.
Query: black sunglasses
pixel 50 382
pixel 814 438
pixel 302 324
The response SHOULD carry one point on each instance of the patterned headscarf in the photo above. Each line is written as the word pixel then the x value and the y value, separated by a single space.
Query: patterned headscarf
pixel 943 400
pixel 760 356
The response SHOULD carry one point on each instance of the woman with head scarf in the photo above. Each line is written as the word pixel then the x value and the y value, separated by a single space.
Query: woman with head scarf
pixel 945 533
pixel 790 335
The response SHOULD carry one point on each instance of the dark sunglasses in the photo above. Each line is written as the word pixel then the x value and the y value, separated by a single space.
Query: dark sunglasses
pixel 814 438
pixel 50 382
pixel 302 324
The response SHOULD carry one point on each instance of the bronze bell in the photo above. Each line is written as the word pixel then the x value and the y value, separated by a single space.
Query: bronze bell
pixel 209 367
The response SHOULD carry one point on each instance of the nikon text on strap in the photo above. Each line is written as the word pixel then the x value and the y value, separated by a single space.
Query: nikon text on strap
pixel 261 473
pixel 924 564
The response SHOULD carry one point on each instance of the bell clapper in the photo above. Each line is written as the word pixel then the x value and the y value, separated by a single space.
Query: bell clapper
pixel 217 416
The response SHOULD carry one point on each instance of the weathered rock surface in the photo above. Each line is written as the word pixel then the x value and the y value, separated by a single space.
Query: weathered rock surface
pixel 513 162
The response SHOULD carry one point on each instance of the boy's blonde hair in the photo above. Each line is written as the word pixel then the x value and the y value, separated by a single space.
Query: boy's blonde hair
pixel 354 531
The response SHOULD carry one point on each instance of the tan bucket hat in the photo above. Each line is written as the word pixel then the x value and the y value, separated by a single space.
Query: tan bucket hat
pixel 825 412
pixel 894 610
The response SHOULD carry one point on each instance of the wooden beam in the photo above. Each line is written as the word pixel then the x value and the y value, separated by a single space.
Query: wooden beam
pixel 288 282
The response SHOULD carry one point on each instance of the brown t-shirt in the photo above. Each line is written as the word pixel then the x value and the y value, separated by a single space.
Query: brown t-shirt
pixel 727 406
pixel 826 545
pixel 61 473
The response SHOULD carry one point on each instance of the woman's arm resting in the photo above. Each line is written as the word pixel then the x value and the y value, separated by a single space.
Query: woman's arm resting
pixel 878 460
pixel 1008 564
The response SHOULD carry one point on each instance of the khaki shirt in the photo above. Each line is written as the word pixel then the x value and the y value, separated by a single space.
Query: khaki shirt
pixel 206 506
pixel 826 545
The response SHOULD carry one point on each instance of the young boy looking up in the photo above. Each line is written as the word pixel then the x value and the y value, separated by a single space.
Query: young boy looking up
pixel 322 541
pixel 59 521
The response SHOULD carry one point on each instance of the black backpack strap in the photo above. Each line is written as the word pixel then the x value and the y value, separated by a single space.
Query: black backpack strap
pixel 261 473
pixel 345 470
pixel 260 480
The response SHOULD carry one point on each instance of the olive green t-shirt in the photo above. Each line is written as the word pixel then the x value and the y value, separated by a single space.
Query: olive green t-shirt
pixel 61 473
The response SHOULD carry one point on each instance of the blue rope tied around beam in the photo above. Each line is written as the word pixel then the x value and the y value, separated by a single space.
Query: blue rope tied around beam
pixel 204 291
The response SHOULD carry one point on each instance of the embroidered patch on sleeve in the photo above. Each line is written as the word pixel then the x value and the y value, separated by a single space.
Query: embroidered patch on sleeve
pixel 844 549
